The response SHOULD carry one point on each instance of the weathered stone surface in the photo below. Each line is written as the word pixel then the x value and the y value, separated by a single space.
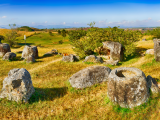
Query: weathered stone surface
pixel 54 50
pixel 9 56
pixel 128 87
pixel 143 39
pixel 4 48
pixel 157 49
pixel 93 58
pixel 17 86
pixel 70 58
pixel 89 76
pixel 30 53
pixel 152 84
pixel 111 62
pixel 150 51
pixel 114 50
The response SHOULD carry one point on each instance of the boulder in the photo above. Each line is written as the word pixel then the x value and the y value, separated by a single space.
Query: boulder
pixel 111 62
pixel 114 49
pixel 150 51
pixel 30 53
pixel 17 86
pixel 127 87
pixel 89 76
pixel 143 39
pixel 9 56
pixel 70 58
pixel 157 49
pixel 93 58
pixel 152 84
pixel 4 48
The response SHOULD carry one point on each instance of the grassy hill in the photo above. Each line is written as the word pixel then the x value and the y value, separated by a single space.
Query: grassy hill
pixel 54 98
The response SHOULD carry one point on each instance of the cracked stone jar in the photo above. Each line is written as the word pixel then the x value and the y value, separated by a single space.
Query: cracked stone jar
pixel 127 86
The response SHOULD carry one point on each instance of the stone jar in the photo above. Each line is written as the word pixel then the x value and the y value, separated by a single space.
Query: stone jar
pixel 128 87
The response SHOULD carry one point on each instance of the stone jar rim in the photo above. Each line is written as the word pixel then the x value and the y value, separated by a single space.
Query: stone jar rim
pixel 137 72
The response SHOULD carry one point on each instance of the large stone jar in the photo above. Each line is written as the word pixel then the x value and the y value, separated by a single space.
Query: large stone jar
pixel 127 87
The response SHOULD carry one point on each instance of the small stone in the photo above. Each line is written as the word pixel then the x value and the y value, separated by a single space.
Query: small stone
pixel 93 58
pixel 150 51
pixel 9 56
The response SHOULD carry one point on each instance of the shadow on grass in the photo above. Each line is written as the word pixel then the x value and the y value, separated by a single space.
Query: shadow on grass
pixel 23 44
pixel 47 94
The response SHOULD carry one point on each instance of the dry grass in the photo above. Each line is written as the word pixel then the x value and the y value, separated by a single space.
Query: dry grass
pixel 56 99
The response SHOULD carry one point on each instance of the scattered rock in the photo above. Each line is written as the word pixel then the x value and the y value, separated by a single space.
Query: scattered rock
pixel 30 53
pixel 9 56
pixel 89 76
pixel 157 49
pixel 4 48
pixel 93 58
pixel 111 62
pixel 114 49
pixel 55 50
pixel 153 85
pixel 150 51
pixel 143 39
pixel 17 86
pixel 128 87
pixel 70 58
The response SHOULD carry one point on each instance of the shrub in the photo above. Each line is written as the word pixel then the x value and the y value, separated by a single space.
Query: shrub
pixel 60 42
pixel 94 37
pixel 1 38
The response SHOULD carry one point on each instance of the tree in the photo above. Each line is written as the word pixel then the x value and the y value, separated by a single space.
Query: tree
pixel 59 32
pixel 92 24
pixel 63 33
pixel 11 35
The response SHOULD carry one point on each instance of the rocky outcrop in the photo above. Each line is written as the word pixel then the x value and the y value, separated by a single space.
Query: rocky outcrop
pixel 115 50
pixel 30 53
pixel 4 48
pixel 128 87
pixel 70 58
pixel 93 58
pixel 9 56
pixel 157 49
pixel 89 76
pixel 17 86
pixel 150 51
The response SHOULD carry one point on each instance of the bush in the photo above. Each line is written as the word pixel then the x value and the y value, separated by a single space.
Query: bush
pixel 1 38
pixel 60 42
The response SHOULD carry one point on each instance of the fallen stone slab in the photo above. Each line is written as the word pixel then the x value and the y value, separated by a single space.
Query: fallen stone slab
pixel 89 76
pixel 111 62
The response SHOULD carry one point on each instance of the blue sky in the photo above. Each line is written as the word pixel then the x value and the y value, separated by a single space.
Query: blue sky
pixel 78 13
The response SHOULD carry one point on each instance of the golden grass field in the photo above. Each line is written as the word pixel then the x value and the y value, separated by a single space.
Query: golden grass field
pixel 56 99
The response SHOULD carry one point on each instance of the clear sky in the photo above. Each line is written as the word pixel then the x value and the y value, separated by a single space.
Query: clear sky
pixel 78 13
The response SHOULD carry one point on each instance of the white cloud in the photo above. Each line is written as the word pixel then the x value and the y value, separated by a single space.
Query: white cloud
pixel 158 21
pixel 64 23
pixel 45 21
pixel 149 18
pixel 4 16
pixel 76 22
pixel 33 23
